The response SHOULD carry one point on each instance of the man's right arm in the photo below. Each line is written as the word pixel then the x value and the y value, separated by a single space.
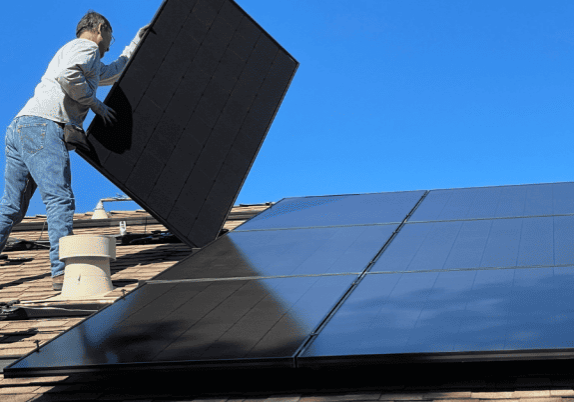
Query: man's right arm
pixel 72 78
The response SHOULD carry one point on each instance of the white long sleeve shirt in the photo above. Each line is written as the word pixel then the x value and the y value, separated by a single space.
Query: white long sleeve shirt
pixel 68 88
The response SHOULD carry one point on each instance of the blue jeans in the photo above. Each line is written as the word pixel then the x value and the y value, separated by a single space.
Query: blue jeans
pixel 36 156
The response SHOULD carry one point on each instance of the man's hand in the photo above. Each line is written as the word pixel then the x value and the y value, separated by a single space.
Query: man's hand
pixel 140 33
pixel 143 30
pixel 107 114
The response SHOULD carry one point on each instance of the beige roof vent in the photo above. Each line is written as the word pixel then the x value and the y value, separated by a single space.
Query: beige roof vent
pixel 87 259
pixel 100 212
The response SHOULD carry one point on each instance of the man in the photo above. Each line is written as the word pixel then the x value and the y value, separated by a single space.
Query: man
pixel 36 154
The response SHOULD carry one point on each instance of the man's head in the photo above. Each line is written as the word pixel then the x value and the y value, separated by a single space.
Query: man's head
pixel 97 28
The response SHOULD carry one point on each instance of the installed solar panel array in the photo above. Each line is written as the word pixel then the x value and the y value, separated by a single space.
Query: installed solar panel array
pixel 445 275
pixel 476 274
pixel 194 106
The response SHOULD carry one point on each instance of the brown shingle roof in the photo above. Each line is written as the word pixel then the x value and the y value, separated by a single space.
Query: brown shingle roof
pixel 242 389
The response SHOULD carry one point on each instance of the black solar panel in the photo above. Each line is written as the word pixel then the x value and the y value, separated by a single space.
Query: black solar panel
pixel 493 288
pixel 311 282
pixel 284 252
pixel 496 202
pixel 419 317
pixel 194 106
pixel 194 325
pixel 252 297
pixel 351 209
pixel 518 242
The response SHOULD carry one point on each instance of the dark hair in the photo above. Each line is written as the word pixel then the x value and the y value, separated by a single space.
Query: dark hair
pixel 90 22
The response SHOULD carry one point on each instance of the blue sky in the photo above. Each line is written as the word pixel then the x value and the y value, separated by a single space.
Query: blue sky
pixel 390 95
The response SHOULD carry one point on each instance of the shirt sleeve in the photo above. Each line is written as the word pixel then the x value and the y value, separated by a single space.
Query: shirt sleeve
pixel 72 78
pixel 110 74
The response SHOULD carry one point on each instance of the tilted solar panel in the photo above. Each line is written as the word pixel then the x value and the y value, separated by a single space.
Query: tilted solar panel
pixel 194 106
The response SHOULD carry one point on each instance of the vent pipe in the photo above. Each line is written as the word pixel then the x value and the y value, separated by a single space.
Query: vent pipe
pixel 100 212
pixel 87 259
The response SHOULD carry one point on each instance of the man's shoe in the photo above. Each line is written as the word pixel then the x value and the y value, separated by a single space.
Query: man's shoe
pixel 58 282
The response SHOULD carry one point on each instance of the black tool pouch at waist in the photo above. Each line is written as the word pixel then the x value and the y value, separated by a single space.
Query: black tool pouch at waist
pixel 75 137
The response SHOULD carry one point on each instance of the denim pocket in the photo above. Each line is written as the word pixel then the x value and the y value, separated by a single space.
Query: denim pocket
pixel 32 137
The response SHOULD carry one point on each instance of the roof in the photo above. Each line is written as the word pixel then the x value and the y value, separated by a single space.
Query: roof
pixel 25 276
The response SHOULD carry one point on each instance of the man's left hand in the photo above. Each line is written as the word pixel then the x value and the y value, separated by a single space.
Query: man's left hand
pixel 143 30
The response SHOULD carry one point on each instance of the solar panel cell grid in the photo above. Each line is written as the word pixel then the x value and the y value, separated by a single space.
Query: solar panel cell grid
pixel 152 52
pixel 211 103
pixel 206 12
pixel 171 18
pixel 159 147
pixel 217 196
pixel 179 213
pixel 163 197
pixel 145 174
pixel 233 170
pixel 487 243
pixel 230 13
pixel 564 243
pixel 537 242
pixel 562 196
pixel 274 85
pixel 121 165
pixel 285 252
pixel 496 202
pixel 451 312
pixel 229 68
pixel 379 208
pixel 185 99
pixel 207 221
pixel 194 322
pixel 131 87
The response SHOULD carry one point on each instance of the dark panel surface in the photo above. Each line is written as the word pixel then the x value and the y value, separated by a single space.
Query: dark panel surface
pixel 202 89
pixel 546 241
pixel 455 311
pixel 186 324
pixel 336 210
pixel 497 202
pixel 284 252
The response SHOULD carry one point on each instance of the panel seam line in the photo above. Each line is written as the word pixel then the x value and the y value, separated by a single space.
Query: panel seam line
pixel 311 337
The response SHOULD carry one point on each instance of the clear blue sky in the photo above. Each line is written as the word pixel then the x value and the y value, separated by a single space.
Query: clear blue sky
pixel 390 95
